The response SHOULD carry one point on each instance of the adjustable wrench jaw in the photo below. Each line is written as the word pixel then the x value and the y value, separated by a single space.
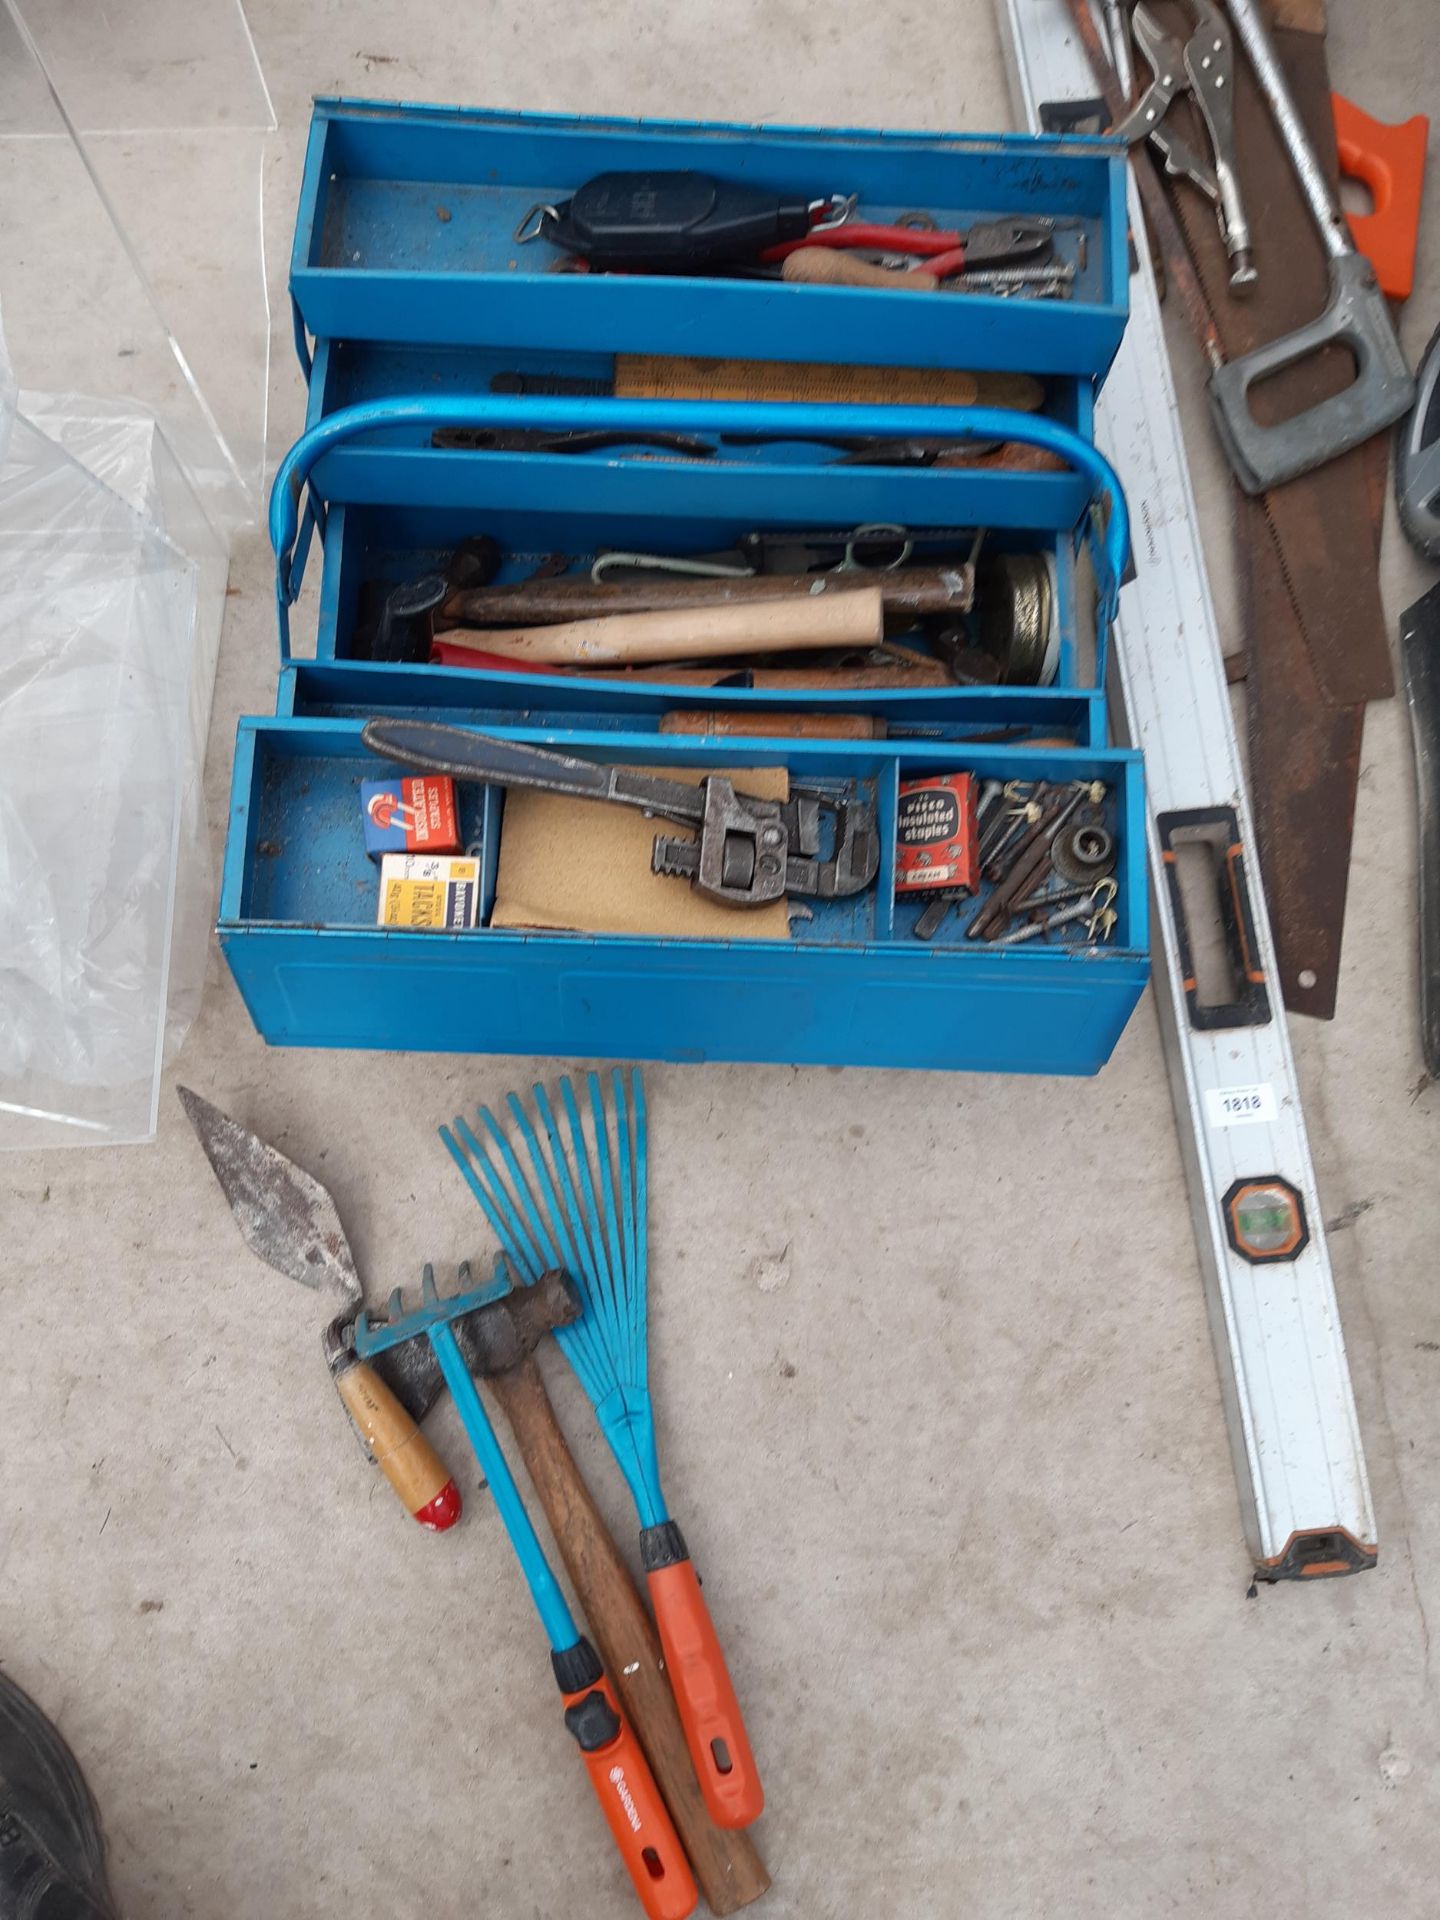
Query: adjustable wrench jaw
pixel 740 856
pixel 751 852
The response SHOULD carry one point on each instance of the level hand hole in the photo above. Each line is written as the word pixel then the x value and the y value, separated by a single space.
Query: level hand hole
pixel 1308 978
pixel 720 1754
pixel 1200 869
pixel 654 1865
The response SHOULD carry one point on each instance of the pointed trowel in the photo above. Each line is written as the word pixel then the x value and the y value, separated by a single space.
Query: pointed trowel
pixel 289 1219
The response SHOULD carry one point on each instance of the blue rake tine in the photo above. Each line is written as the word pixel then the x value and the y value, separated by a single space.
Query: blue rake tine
pixel 581 1347
pixel 549 1199
pixel 592 1211
pixel 605 1173
pixel 590 1277
pixel 525 1263
pixel 588 1356
pixel 507 1153
pixel 642 1197
pixel 585 1258
pixel 634 1273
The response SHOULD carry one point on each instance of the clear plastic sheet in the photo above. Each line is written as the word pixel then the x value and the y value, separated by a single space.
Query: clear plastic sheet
pixel 111 596
pixel 133 136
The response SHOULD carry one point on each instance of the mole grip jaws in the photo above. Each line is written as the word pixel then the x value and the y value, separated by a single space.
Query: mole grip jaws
pixel 1356 318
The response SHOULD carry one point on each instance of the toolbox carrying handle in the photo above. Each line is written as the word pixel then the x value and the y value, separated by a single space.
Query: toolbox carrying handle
pixel 1108 529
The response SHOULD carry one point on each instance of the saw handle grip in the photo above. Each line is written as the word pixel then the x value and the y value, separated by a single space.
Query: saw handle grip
pixel 700 1680
pixel 630 1800
pixel 400 1450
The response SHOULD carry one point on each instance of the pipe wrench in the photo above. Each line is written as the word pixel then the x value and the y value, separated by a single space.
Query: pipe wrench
pixel 748 851
pixel 1203 66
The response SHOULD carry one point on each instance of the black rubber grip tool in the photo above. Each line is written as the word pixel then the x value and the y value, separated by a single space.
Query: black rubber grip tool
pixel 672 222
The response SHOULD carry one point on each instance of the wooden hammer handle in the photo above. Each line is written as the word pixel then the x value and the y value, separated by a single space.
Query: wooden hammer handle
pixel 730 1872
pixel 851 619
pixel 829 267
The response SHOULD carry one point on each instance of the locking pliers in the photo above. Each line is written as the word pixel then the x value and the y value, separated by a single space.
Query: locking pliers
pixel 1203 65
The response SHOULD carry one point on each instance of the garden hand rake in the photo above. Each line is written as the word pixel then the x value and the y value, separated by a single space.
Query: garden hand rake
pixel 619 1773
pixel 585 1210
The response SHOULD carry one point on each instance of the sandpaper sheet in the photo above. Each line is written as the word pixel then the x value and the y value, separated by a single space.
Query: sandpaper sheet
pixel 1321 521
pixel 579 865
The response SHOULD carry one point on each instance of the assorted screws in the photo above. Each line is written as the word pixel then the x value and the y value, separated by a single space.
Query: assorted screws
pixel 1047 859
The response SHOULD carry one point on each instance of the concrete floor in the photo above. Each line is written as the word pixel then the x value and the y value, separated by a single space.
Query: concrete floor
pixel 959 1481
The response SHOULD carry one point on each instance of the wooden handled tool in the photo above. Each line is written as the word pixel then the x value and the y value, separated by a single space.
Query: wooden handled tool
pixel 828 267
pixel 398 1447
pixel 721 723
pixel 288 1219
pixel 906 592
pixel 832 620
pixel 611 1365
pixel 619 1774
pixel 726 1864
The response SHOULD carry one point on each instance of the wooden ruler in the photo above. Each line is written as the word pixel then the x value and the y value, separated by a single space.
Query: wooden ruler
pixel 656 376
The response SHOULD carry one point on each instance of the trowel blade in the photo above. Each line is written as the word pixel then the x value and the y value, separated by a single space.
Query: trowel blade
pixel 284 1213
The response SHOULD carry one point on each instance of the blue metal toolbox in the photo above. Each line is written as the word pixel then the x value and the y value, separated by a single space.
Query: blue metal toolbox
pixel 383 464
pixel 410 337
pixel 408 217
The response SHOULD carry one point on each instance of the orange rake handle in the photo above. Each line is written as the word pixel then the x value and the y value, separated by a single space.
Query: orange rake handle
pixel 700 1680
pixel 625 1787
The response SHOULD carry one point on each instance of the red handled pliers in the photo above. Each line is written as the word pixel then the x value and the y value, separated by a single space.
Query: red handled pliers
pixel 989 243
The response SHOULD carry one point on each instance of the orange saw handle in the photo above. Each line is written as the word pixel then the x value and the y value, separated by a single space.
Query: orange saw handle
pixel 700 1680
pixel 625 1787
pixel 1391 162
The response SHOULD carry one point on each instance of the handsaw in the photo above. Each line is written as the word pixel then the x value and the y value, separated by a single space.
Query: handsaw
pixel 1317 640
pixel 1305 746
pixel 1326 560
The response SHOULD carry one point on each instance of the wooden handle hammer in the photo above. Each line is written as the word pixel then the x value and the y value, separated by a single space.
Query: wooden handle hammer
pixel 500 1349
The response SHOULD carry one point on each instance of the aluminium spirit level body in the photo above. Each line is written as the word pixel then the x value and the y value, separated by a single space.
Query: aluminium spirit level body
pixel 1274 1317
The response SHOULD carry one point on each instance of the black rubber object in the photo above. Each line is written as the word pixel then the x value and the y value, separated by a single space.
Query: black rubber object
pixel 577 1667
pixel 672 222
pixel 52 1851
pixel 662 1546
pixel 1420 677
pixel 593 1722
pixel 1417 458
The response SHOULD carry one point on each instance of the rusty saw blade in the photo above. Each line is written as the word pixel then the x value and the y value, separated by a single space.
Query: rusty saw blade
pixel 1320 524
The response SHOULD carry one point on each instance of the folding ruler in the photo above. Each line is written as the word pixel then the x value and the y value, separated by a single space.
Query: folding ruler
pixel 1273 1313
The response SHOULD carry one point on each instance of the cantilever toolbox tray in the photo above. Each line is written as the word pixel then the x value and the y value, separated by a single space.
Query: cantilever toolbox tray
pixel 408 340
pixel 408 216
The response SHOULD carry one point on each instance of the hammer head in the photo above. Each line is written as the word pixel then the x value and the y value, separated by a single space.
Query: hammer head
pixel 492 1339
